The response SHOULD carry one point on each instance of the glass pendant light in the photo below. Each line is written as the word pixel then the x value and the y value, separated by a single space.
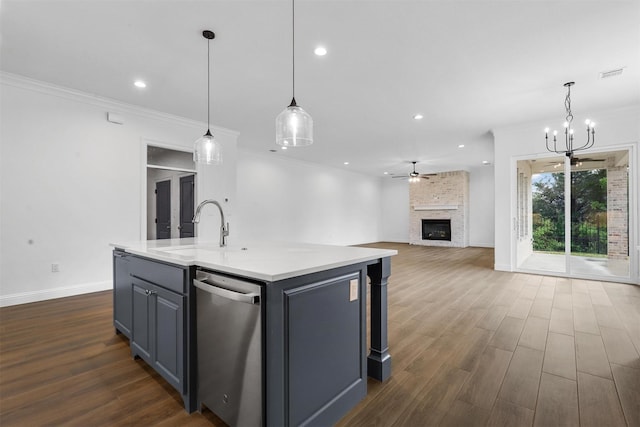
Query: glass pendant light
pixel 207 149
pixel 294 126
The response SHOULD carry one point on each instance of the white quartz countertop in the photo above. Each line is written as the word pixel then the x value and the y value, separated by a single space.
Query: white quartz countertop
pixel 268 261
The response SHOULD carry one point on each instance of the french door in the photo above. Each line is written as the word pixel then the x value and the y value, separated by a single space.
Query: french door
pixel 573 216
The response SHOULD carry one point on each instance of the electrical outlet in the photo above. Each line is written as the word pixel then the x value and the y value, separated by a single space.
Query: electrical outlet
pixel 55 267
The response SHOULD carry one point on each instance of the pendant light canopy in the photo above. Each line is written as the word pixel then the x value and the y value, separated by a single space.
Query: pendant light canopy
pixel 207 149
pixel 294 126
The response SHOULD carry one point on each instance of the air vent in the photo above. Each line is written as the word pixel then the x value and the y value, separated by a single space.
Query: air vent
pixel 611 73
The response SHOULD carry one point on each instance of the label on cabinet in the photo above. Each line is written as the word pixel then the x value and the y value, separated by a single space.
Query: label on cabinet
pixel 353 289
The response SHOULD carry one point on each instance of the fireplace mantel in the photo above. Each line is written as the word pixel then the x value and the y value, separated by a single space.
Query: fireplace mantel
pixel 435 208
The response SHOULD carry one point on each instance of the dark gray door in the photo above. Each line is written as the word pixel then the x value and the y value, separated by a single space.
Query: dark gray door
pixel 186 206
pixel 163 209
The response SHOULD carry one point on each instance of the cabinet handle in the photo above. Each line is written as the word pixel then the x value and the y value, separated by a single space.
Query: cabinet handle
pixel 251 298
pixel 148 292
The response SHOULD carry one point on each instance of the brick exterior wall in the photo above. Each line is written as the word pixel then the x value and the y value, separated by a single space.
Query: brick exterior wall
pixel 446 195
pixel 617 212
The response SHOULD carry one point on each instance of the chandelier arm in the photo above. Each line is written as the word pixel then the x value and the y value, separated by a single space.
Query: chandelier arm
pixel 555 148
pixel 591 139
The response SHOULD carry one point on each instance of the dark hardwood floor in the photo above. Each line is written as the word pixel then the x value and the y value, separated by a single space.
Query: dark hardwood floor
pixel 470 346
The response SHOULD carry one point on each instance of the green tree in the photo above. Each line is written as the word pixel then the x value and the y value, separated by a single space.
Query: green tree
pixel 588 211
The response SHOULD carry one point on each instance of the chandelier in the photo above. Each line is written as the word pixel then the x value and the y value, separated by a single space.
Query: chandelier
pixel 569 148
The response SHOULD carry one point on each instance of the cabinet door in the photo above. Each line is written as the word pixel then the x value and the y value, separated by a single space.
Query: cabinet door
pixel 141 330
pixel 169 336
pixel 122 293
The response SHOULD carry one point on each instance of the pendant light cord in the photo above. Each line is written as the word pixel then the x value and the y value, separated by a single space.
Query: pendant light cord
pixel 208 84
pixel 293 48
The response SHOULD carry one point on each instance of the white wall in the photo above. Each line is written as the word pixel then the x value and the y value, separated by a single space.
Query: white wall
pixel 71 183
pixel 481 206
pixel 289 200
pixel 615 128
pixel 395 211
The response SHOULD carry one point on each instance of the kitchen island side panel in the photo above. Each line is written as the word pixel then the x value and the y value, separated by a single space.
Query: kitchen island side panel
pixel 315 337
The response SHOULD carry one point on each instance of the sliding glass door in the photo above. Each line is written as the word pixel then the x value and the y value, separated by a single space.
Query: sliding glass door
pixel 573 215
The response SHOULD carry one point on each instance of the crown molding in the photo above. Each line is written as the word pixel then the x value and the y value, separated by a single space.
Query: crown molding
pixel 109 104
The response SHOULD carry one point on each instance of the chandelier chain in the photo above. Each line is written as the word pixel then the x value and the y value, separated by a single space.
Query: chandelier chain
pixel 567 106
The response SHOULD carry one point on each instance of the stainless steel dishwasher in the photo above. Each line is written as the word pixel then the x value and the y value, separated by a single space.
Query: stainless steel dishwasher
pixel 229 348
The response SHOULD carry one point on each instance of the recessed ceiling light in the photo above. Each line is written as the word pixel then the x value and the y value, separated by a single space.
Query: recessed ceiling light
pixel 140 84
pixel 283 147
pixel 346 163
pixel 320 51
pixel 418 116
pixel 386 173
pixel 485 162
pixel 461 146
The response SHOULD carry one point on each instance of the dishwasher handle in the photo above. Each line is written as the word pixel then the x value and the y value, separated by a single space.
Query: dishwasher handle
pixel 251 298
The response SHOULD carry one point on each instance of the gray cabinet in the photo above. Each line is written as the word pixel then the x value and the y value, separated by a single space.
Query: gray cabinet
pixel 121 293
pixel 158 330
pixel 153 307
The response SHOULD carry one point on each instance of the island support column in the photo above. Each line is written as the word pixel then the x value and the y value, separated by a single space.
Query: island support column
pixel 379 359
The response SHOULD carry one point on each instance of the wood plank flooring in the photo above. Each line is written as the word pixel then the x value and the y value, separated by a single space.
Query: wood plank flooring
pixel 470 347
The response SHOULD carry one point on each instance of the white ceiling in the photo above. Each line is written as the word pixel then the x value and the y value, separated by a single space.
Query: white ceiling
pixel 467 66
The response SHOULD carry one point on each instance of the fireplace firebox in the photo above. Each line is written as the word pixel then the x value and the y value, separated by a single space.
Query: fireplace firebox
pixel 436 229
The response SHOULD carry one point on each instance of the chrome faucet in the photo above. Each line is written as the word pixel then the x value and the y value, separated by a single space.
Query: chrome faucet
pixel 224 230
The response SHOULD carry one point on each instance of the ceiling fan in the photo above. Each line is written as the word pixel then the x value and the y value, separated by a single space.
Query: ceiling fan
pixel 576 161
pixel 580 160
pixel 414 174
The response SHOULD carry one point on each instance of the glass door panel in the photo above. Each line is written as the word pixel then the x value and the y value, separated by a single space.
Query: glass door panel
pixel 600 214
pixel 541 215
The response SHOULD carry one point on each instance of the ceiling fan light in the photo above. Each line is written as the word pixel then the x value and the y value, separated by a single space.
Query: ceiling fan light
pixel 294 127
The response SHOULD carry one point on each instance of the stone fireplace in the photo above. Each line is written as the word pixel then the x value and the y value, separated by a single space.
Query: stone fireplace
pixel 441 204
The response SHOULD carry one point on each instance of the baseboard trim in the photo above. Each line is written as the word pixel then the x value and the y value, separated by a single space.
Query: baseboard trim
pixel 47 294
pixel 502 267
pixel 482 245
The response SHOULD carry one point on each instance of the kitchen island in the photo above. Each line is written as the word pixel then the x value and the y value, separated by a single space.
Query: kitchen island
pixel 312 322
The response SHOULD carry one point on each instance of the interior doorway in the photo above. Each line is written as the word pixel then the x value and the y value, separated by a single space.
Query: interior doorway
pixel 171 188
pixel 573 216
